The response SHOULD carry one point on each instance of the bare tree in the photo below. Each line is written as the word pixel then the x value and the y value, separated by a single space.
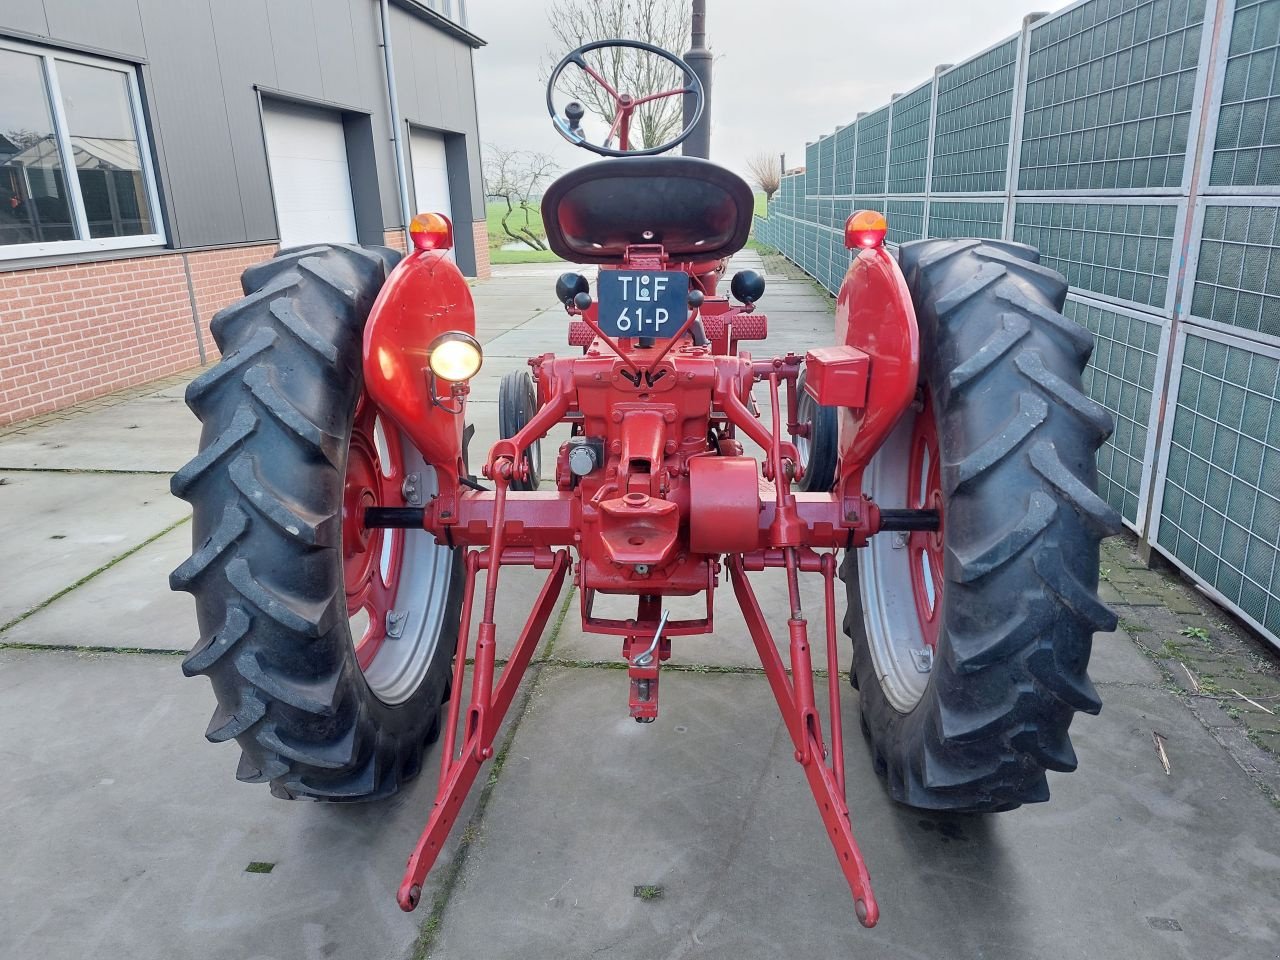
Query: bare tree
pixel 517 178
pixel 766 172
pixel 664 23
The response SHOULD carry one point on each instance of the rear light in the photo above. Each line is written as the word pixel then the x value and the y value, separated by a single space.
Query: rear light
pixel 865 229
pixel 431 231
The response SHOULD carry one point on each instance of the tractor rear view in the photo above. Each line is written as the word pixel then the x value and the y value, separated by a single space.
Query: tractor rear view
pixel 935 462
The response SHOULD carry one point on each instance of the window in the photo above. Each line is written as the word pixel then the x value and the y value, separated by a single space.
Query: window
pixel 75 170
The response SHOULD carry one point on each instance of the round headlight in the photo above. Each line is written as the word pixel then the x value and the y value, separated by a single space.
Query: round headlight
pixel 455 356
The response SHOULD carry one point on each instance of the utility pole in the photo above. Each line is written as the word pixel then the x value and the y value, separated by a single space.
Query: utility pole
pixel 698 143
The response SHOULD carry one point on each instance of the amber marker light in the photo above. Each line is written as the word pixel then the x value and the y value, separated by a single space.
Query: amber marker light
pixel 455 356
pixel 431 231
pixel 865 229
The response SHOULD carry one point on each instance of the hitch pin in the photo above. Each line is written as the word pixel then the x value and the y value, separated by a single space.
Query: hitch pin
pixel 645 658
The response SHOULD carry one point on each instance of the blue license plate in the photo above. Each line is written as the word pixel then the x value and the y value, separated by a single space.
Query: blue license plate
pixel 642 303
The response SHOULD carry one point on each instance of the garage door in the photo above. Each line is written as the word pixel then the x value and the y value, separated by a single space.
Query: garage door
pixel 307 153
pixel 430 174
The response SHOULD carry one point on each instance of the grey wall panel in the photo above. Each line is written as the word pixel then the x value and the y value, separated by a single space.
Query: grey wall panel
pixel 246 58
pixel 293 38
pixel 110 25
pixel 435 86
pixel 205 63
pixel 466 101
pixel 24 16
pixel 338 54
pixel 189 116
pixel 371 75
pixel 365 186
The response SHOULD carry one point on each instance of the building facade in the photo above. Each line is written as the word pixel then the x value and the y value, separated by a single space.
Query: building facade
pixel 150 150
pixel 1136 143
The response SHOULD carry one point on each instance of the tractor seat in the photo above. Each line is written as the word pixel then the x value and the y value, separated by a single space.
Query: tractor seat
pixel 694 208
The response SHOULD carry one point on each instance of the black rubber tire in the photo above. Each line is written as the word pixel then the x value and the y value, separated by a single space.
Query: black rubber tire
pixel 517 403
pixel 267 571
pixel 824 439
pixel 1022 521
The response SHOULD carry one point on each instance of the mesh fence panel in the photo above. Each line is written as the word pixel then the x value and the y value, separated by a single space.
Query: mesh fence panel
pixel 872 152
pixel 909 141
pixel 1110 86
pixel 1238 268
pixel 842 181
pixel 1121 376
pixel 906 220
pixel 1118 250
pixel 1220 514
pixel 826 165
pixel 1247 149
pixel 966 218
pixel 972 129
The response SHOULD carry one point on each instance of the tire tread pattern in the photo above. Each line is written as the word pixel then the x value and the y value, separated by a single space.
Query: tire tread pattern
pixel 1023 522
pixel 266 569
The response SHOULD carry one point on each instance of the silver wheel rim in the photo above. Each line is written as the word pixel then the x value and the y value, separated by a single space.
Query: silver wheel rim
pixel 894 634
pixel 422 594
pixel 804 416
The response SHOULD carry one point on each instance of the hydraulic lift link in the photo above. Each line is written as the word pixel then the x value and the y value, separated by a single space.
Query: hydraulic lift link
pixel 489 702
pixel 799 712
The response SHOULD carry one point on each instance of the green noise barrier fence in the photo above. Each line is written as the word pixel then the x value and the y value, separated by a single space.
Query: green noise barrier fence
pixel 1136 144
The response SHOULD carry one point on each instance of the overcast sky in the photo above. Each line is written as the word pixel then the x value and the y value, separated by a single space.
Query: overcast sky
pixel 779 79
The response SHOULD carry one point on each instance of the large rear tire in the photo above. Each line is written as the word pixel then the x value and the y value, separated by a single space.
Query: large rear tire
pixel 328 645
pixel 971 644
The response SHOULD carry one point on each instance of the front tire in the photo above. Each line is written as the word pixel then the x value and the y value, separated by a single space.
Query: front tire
pixel 971 644
pixel 328 644
pixel 819 449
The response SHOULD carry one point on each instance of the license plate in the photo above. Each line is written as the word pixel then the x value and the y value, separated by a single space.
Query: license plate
pixel 642 303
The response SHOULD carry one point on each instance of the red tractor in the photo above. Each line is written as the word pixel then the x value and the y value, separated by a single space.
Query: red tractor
pixel 938 459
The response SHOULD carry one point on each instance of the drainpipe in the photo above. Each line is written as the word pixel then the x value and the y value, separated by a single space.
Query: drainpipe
pixel 698 143
pixel 397 126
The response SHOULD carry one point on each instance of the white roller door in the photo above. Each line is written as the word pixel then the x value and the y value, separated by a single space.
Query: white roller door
pixel 307 153
pixel 430 174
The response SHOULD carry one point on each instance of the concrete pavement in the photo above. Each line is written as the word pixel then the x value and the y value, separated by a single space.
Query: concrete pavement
pixel 124 834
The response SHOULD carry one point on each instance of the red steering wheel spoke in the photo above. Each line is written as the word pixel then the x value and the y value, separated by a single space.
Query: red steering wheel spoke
pixel 625 103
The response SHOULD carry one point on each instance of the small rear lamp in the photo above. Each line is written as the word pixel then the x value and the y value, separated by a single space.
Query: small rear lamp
pixel 455 356
pixel 865 229
pixel 431 231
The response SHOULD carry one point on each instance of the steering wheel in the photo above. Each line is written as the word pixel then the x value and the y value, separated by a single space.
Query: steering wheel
pixel 569 126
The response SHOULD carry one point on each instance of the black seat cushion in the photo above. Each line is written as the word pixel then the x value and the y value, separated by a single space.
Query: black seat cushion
pixel 694 208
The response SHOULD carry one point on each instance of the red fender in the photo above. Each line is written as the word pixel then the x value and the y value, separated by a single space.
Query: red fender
pixel 425 296
pixel 874 314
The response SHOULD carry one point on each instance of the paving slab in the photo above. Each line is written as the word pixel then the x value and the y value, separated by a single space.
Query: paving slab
pixel 150 433
pixel 128 606
pixel 127 835
pixel 708 805
pixel 60 527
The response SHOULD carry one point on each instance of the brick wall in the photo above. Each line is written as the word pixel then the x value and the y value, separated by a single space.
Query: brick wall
pixel 215 281
pixel 71 333
pixel 480 234
pixel 74 332
pixel 395 240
